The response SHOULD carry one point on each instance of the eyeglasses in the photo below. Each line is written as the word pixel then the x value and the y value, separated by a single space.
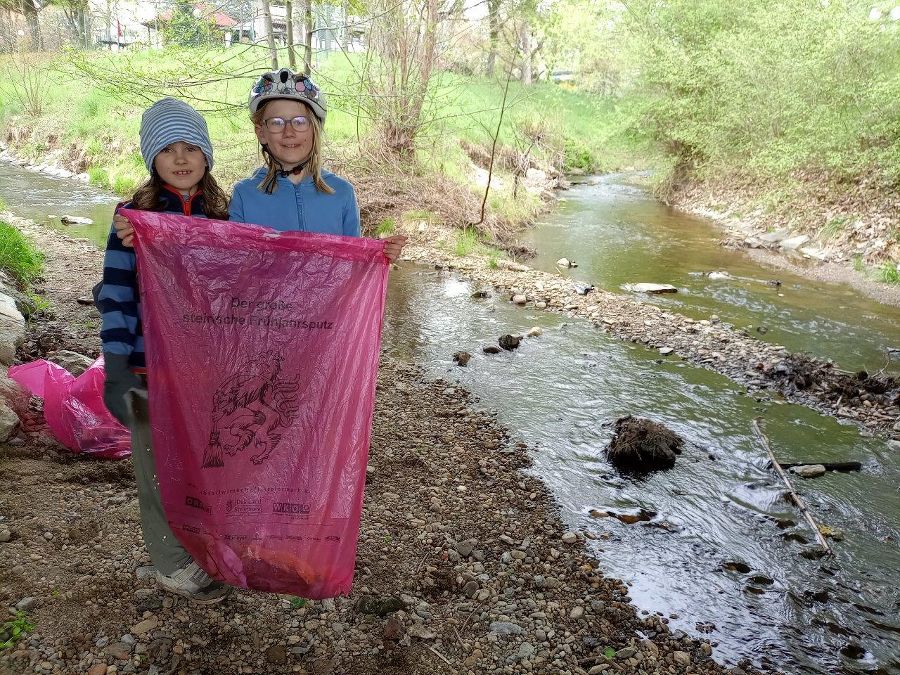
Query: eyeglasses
pixel 277 125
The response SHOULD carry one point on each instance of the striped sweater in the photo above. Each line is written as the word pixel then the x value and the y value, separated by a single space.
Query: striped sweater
pixel 119 299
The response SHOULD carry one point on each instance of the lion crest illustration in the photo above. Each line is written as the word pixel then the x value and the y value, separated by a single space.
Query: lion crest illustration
pixel 251 408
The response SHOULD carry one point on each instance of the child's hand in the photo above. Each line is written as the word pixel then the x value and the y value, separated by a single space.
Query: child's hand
pixel 393 246
pixel 124 230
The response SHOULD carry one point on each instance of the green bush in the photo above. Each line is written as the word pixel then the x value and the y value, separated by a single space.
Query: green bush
pixel 768 88
pixel 18 256
pixel 889 273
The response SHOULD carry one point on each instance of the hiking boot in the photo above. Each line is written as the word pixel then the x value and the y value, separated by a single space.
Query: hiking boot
pixel 193 583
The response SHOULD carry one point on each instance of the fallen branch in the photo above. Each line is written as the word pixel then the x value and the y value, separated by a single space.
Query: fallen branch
pixel 757 429
pixel 439 655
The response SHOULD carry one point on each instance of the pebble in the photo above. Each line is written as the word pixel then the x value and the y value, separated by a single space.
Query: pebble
pixel 569 538
pixel 577 612
pixel 535 332
pixel 506 628
pixel 683 659
pixel 145 626
pixel 5 535
pixel 26 603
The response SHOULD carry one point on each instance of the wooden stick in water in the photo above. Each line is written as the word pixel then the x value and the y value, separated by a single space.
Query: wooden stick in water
pixel 797 500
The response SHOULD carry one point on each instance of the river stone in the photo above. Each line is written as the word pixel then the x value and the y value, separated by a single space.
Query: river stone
pixel 74 362
pixel 719 275
pixel 650 288
pixel 76 220
pixel 462 358
pixel 775 237
pixel 535 332
pixel 894 445
pixel 519 299
pixel 509 342
pixel 809 470
pixel 564 262
pixel 816 253
pixel 641 445
pixel 794 243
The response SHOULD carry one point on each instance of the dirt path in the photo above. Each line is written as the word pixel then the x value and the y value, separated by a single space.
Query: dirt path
pixel 463 563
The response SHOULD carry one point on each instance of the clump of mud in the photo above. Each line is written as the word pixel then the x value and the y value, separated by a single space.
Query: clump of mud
pixel 641 446
pixel 849 389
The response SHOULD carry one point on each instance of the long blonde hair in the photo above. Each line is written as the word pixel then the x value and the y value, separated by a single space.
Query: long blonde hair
pixel 313 165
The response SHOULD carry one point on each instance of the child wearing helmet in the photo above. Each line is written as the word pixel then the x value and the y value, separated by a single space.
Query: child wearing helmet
pixel 178 154
pixel 292 191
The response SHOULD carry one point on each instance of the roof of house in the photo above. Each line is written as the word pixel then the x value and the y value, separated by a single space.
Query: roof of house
pixel 219 18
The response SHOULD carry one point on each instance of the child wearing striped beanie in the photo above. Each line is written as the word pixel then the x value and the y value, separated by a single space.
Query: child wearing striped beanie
pixel 178 154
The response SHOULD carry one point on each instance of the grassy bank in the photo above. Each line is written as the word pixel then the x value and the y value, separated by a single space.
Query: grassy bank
pixel 19 258
pixel 88 121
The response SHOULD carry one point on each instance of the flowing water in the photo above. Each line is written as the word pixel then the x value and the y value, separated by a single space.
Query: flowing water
pixel 722 554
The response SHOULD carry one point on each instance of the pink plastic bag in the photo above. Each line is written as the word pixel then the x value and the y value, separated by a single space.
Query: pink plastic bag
pixel 74 408
pixel 262 353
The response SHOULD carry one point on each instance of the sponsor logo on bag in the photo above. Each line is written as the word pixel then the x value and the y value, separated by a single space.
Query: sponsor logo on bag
pixel 243 506
pixel 195 503
pixel 290 508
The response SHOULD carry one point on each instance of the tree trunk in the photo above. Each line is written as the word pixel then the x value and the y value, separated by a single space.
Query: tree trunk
pixel 289 25
pixel 527 52
pixel 309 30
pixel 494 34
pixel 270 34
pixel 34 27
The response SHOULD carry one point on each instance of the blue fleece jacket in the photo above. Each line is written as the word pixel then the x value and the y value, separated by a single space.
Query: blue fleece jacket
pixel 297 207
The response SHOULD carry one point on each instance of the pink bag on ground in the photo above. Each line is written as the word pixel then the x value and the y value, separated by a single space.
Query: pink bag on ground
pixel 262 354
pixel 74 408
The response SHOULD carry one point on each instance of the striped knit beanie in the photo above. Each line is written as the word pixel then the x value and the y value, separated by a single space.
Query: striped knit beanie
pixel 169 121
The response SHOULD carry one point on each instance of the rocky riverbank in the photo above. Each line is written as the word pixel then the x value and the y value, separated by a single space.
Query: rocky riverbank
pixel 464 565
pixel 871 401
pixel 826 238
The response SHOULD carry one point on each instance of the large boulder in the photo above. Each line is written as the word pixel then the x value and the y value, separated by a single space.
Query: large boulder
pixel 12 328
pixel 641 446
pixel 9 422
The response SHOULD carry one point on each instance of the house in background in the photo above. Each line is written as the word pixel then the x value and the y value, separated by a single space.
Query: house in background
pixel 223 25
